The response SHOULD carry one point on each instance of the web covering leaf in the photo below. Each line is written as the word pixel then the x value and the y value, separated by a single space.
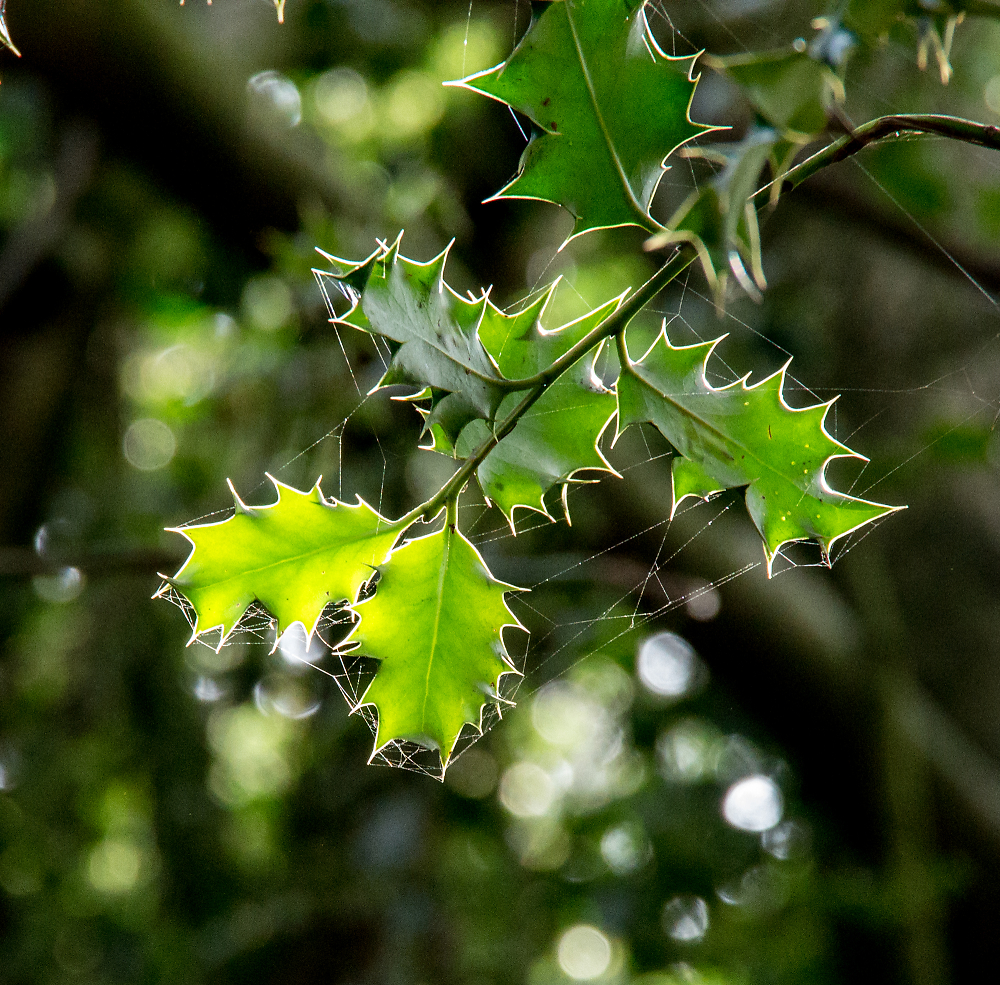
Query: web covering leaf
pixel 435 625
pixel 744 435
pixel 433 332
pixel 294 556
pixel 463 354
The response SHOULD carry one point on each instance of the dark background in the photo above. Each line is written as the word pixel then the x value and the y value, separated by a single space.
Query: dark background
pixel 174 815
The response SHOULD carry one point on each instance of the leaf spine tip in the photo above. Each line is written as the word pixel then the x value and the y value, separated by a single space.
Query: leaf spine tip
pixel 317 494
pixel 241 507
pixel 769 560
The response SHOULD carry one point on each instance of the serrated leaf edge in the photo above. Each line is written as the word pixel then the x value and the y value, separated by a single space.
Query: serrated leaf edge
pixel 571 478
pixel 504 655
pixel 769 556
pixel 704 128
pixel 390 254
pixel 241 507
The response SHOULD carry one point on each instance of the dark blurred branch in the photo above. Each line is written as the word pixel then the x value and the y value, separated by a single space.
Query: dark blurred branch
pixel 167 90
pixel 981 8
pixel 838 201
pixel 22 562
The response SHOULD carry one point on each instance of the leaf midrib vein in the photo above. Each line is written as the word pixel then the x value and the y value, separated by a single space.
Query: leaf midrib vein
pixel 295 559
pixel 442 574
pixel 585 70
pixel 673 402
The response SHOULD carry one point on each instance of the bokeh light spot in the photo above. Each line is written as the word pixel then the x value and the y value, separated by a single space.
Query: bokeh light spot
pixel 584 952
pixel 625 848
pixel 114 865
pixel 149 444
pixel 526 790
pixel 341 97
pixel 267 303
pixel 667 665
pixel 991 94
pixel 753 804
pixel 685 919
pixel 64 586
pixel 277 96
pixel 474 774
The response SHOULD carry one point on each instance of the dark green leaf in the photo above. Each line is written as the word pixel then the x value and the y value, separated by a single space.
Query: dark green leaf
pixel 559 434
pixel 609 105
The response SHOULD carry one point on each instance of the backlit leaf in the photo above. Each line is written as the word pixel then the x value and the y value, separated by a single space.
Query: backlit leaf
pixel 460 352
pixel 433 333
pixel 435 625
pixel 719 219
pixel 559 434
pixel 609 106
pixel 742 435
pixel 294 555
pixel 791 90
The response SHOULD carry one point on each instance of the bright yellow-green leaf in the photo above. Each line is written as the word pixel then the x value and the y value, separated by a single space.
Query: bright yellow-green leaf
pixel 435 624
pixel 294 555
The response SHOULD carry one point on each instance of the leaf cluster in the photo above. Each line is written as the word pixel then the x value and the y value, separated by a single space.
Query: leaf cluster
pixel 517 401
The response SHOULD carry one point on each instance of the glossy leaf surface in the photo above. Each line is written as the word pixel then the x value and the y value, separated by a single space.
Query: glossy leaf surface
pixel 432 331
pixel 558 435
pixel 743 435
pixel 294 556
pixel 609 105
pixel 435 625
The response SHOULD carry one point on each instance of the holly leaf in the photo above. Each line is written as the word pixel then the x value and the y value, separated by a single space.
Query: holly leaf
pixel 560 433
pixel 440 336
pixel 742 435
pixel 294 556
pixel 4 33
pixel 435 624
pixel 431 330
pixel 609 107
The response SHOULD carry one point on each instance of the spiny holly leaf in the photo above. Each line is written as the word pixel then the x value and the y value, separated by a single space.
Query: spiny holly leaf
pixel 559 434
pixel 441 424
pixel 294 555
pixel 432 331
pixel 742 435
pixel 4 34
pixel 609 105
pixel 435 624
